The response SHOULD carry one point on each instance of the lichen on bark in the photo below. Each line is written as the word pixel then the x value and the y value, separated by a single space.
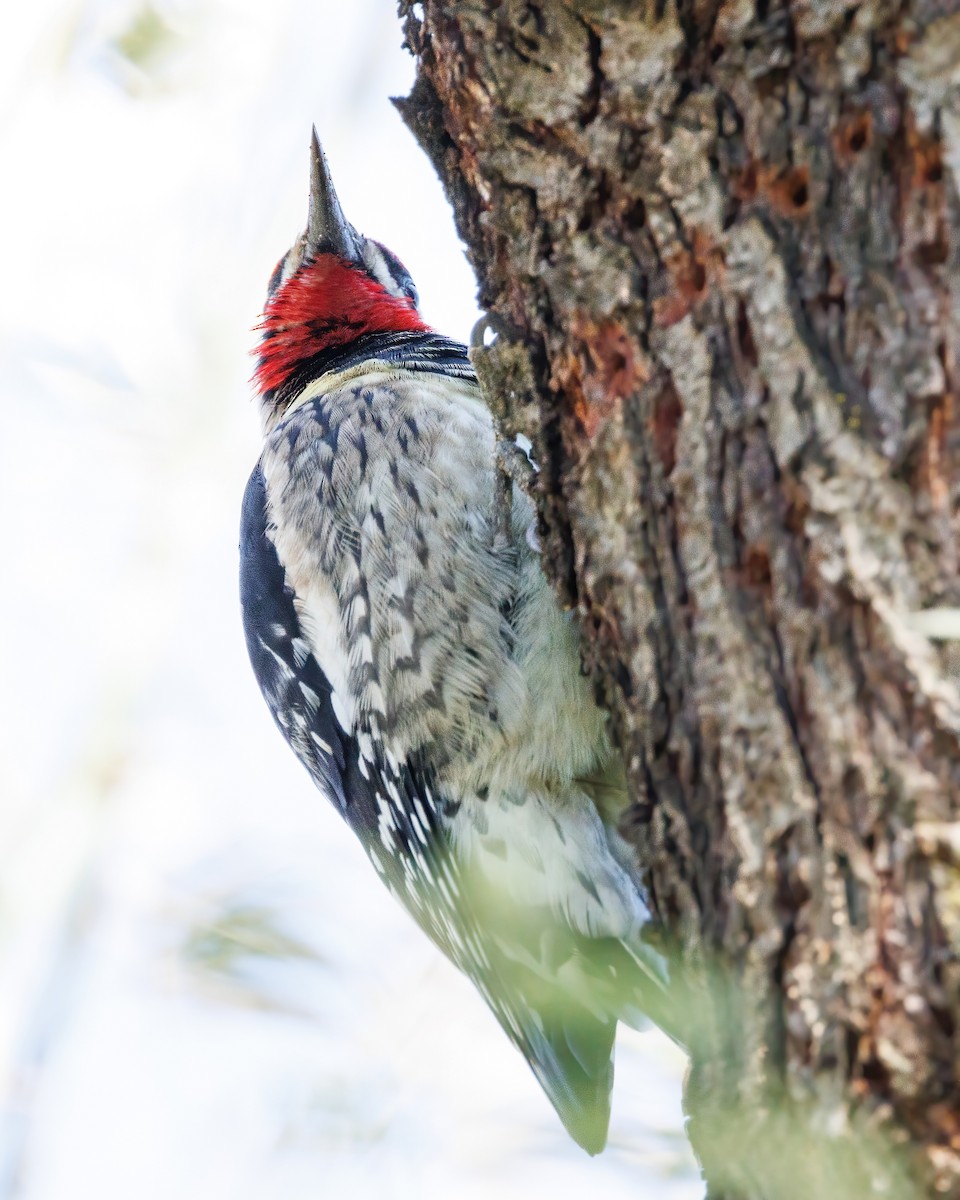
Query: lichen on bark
pixel 719 239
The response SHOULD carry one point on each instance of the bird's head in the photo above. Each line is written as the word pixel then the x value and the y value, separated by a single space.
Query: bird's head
pixel 331 289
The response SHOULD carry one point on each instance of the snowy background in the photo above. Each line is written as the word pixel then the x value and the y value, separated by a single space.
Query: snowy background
pixel 204 992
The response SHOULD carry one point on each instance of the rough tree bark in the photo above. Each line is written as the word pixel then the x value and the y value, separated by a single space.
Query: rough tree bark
pixel 720 237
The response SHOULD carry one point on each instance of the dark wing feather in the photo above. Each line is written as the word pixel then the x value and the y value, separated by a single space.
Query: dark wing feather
pixel 287 673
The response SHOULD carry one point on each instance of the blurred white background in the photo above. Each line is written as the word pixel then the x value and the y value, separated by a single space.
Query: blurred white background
pixel 204 992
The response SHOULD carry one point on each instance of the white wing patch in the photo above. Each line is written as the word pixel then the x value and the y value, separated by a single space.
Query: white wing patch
pixel 319 614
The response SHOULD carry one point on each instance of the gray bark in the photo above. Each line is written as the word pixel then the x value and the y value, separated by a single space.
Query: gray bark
pixel 720 242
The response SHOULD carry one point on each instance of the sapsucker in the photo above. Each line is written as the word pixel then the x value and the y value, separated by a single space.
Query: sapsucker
pixel 419 666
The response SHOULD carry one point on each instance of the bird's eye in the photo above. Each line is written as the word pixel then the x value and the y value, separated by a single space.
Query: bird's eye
pixel 410 290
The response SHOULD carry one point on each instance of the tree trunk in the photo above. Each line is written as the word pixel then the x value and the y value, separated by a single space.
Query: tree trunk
pixel 720 241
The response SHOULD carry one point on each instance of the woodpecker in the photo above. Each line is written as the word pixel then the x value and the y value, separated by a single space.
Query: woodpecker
pixel 420 668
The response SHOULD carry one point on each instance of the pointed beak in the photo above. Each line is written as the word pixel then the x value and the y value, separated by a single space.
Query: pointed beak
pixel 328 230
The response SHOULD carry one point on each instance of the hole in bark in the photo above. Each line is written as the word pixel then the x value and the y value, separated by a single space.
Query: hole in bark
pixel 597 205
pixel 945 1020
pixel 876 1074
pixel 716 52
pixel 745 340
pixel 933 254
pixel 773 83
pixel 747 184
pixel 622 676
pixel 849 888
pixel 851 1044
pixel 667 411
pixel 786 189
pixel 636 215
pixel 834 292
pixel 731 212
pixel 756 566
pixel 927 162
pixel 853 134
pixel 604 191
pixel 591 101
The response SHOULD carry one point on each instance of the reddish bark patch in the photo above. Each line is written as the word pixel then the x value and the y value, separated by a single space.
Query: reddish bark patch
pixel 598 380
pixel 756 567
pixel 744 186
pixel 926 158
pixel 787 192
pixel 936 461
pixel 923 216
pixel 853 135
pixel 797 505
pixel 690 273
pixel 664 422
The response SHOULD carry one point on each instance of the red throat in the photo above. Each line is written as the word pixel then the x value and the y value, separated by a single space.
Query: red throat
pixel 326 304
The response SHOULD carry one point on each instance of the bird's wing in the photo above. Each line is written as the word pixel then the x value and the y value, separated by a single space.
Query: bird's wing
pixel 517 964
pixel 297 692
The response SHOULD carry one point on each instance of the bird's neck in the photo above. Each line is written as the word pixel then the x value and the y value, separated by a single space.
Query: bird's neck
pixel 325 307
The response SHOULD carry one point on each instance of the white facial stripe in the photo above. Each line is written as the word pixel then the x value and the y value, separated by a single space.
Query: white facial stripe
pixel 376 264
pixel 293 260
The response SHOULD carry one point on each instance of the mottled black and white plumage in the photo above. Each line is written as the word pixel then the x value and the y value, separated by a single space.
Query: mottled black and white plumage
pixel 419 666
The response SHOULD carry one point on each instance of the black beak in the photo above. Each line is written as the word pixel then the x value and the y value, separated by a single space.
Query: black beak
pixel 328 230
